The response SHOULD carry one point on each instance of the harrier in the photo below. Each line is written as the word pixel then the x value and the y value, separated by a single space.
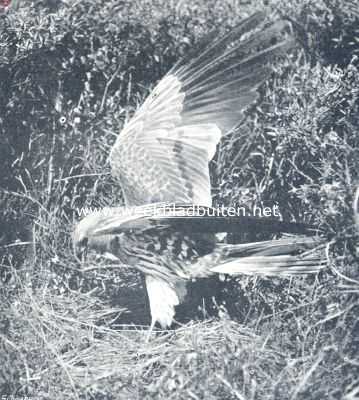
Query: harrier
pixel 168 229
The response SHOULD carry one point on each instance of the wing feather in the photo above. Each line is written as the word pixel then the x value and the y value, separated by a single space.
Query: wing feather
pixel 162 154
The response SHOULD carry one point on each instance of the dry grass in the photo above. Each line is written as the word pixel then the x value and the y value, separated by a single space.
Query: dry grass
pixel 65 329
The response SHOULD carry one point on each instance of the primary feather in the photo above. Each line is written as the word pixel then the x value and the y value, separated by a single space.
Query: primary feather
pixel 162 154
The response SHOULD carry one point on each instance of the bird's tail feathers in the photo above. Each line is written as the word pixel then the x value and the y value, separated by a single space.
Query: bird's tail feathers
pixel 283 257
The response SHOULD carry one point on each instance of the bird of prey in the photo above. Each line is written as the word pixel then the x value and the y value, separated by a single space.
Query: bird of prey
pixel 168 228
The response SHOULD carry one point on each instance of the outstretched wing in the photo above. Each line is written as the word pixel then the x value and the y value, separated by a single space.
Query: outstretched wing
pixel 162 154
pixel 187 218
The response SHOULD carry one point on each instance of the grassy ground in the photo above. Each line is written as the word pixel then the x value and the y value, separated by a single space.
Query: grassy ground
pixel 70 74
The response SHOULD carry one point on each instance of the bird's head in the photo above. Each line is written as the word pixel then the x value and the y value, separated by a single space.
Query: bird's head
pixel 86 238
pixel 83 231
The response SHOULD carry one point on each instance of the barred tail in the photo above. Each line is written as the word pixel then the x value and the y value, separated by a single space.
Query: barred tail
pixel 283 257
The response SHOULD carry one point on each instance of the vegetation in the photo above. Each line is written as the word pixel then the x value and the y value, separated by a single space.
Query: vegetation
pixel 71 73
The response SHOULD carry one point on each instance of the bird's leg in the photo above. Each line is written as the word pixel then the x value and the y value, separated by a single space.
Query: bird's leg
pixel 149 333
